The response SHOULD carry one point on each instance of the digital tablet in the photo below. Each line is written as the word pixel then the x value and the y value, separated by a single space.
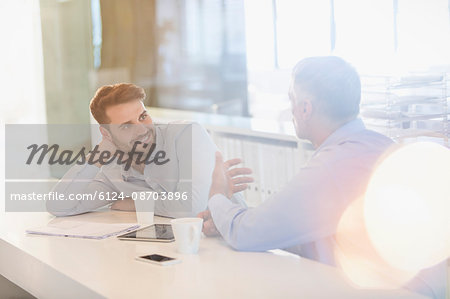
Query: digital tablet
pixel 152 233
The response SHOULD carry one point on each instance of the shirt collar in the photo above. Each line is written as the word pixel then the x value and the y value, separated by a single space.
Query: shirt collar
pixel 342 133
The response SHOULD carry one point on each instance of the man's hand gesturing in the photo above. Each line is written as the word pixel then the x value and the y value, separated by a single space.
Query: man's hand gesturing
pixel 228 181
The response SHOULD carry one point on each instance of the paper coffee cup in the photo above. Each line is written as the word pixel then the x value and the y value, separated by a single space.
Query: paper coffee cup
pixel 144 211
pixel 187 232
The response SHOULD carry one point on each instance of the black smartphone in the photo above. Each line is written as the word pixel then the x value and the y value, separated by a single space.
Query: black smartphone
pixel 158 259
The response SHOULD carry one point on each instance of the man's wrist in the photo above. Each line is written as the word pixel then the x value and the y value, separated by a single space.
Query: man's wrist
pixel 217 204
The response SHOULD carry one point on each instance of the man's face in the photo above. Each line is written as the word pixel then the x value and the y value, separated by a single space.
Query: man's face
pixel 299 117
pixel 130 123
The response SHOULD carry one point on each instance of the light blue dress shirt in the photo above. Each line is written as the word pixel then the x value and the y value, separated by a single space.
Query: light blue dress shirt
pixel 303 217
pixel 306 212
pixel 192 157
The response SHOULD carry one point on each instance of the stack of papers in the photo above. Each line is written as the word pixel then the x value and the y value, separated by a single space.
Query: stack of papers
pixel 82 229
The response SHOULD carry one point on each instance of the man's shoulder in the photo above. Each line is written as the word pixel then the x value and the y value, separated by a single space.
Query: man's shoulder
pixel 183 130
pixel 181 134
pixel 355 146
pixel 370 137
pixel 361 147
pixel 175 128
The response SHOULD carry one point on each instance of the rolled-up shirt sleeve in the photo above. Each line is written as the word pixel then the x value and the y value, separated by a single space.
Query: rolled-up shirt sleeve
pixel 80 179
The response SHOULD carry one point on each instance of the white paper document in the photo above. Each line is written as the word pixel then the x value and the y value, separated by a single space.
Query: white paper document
pixel 82 229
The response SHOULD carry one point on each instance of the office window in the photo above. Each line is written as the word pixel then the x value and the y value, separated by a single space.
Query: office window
pixel 21 63
pixel 202 56
pixel 378 37
pixel 423 33
pixel 303 29
pixel 365 33
pixel 259 34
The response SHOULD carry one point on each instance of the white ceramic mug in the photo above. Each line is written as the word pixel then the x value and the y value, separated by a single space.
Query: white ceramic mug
pixel 144 211
pixel 187 232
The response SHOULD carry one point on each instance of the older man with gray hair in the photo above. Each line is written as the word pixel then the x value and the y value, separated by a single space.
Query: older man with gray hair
pixel 325 95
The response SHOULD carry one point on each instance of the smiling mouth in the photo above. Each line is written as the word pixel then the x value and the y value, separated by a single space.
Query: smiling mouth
pixel 146 138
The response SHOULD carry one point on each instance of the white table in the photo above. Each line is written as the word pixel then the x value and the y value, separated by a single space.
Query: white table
pixel 56 267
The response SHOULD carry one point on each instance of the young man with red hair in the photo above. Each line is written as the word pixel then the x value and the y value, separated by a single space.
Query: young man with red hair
pixel 180 185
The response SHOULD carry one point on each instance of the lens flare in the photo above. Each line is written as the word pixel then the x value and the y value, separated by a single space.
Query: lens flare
pixel 402 225
pixel 407 206
pixel 357 257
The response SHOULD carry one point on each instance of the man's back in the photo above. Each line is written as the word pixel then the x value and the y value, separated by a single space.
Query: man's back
pixel 304 215
pixel 337 174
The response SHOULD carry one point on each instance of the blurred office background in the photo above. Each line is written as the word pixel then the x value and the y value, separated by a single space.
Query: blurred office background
pixel 217 56
pixel 228 63
pixel 230 60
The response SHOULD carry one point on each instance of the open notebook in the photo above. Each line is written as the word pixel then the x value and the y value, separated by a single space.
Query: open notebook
pixel 82 229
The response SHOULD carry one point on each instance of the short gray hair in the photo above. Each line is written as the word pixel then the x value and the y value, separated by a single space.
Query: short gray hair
pixel 333 83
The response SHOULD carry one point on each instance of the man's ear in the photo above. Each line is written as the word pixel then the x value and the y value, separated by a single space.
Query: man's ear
pixel 105 133
pixel 307 108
